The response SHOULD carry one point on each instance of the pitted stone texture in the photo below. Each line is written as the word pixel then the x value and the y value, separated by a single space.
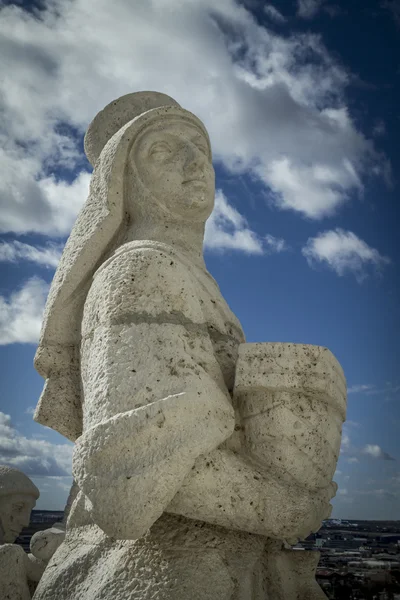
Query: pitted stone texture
pixel 290 575
pixel 155 396
pixel 117 114
pixel 226 488
pixel 13 573
pixel 44 543
pixel 176 559
pixel 18 496
pixel 292 402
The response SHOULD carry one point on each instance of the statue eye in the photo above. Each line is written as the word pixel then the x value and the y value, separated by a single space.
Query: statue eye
pixel 202 148
pixel 160 148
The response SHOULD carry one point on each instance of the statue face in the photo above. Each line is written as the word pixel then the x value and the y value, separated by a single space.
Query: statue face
pixel 15 512
pixel 174 163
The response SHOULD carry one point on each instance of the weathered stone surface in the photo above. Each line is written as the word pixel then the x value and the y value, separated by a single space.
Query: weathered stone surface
pixel 13 573
pixel 292 402
pixel 18 496
pixel 196 455
pixel 44 543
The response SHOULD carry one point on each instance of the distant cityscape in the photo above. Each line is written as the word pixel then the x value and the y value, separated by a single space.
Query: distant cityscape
pixel 360 560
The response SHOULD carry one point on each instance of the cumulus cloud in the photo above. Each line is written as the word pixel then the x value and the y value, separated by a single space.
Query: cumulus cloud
pixel 393 7
pixel 35 457
pixel 275 244
pixel 46 205
pixel 379 128
pixel 274 14
pixel 21 313
pixel 274 105
pixel 15 251
pixel 353 460
pixel 376 452
pixel 389 390
pixel 227 229
pixel 343 252
pixel 307 9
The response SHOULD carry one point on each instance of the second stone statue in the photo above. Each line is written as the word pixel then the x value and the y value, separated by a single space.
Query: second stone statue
pixel 196 456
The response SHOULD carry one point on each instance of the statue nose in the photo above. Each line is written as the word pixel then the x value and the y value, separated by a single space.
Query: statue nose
pixel 195 158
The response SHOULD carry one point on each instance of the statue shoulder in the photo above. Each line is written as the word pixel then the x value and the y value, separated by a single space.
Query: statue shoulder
pixel 11 555
pixel 143 278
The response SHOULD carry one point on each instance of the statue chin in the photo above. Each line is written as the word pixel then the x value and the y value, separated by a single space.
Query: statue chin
pixel 10 536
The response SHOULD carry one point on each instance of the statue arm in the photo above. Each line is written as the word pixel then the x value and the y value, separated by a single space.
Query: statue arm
pixel 154 395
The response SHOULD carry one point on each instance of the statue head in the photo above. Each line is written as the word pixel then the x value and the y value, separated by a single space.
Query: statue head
pixel 170 170
pixel 18 497
pixel 162 154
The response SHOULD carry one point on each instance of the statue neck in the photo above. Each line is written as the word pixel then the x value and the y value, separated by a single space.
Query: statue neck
pixel 186 238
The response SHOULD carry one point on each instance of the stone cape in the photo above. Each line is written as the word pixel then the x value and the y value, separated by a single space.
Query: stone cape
pixel 121 568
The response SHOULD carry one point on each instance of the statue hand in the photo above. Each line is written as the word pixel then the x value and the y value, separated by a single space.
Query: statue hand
pixel 132 465
pixel 305 511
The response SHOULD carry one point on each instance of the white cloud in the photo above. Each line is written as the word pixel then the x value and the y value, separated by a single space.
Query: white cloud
pixel 379 128
pixel 389 389
pixel 274 105
pixel 307 9
pixel 376 452
pixel 342 492
pixel 378 493
pixel 352 460
pixel 345 442
pixel 360 388
pixel 34 457
pixel 343 252
pixel 227 229
pixel 30 410
pixel 21 313
pixel 48 206
pixel 393 6
pixel 274 14
pixel 15 251
pixel 275 244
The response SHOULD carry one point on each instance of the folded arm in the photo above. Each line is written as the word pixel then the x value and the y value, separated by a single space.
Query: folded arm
pixel 154 395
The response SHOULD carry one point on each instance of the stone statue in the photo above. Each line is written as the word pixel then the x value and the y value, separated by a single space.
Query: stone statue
pixel 197 456
pixel 18 497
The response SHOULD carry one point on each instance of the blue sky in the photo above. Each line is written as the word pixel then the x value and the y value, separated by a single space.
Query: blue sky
pixel 301 101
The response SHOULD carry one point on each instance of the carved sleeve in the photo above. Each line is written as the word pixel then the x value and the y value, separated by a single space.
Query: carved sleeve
pixel 154 398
